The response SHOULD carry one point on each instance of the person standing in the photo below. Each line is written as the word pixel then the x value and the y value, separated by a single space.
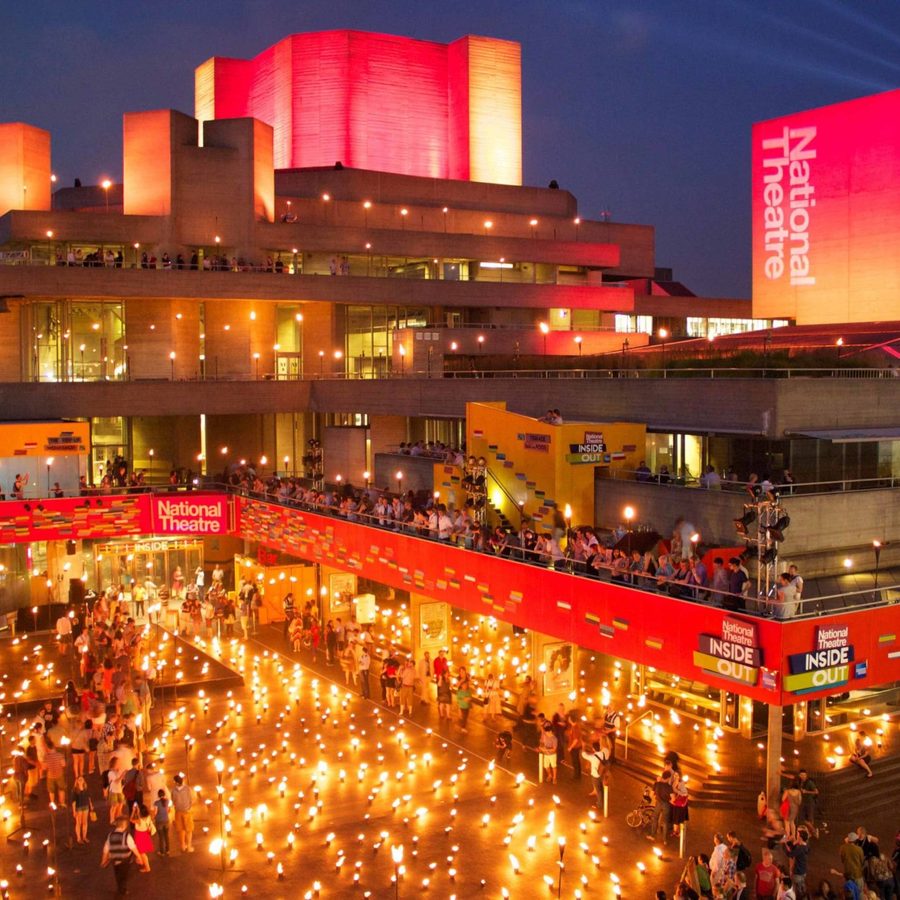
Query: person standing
pixel 598 759
pixel 365 662
pixel 288 605
pixel 407 686
pixel 766 877
pixel 444 695
pixel 548 748
pixel 182 801
pixel 81 808
pixel 161 821
pixel 797 851
pixel 574 745
pixel 464 701
pixel 423 677
pixel 118 851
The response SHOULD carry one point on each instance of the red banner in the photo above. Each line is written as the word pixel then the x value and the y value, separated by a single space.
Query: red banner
pixel 743 654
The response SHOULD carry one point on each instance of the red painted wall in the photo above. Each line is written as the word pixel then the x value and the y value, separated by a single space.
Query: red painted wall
pixel 643 627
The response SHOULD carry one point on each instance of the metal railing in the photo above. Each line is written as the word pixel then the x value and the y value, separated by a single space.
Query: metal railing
pixel 679 589
pixel 670 480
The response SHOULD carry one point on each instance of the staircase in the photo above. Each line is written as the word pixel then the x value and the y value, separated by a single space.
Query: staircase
pixel 727 789
pixel 846 793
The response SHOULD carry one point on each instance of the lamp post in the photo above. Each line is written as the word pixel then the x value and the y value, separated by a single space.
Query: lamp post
pixel 397 857
pixel 533 223
pixel 399 477
pixel 366 478
pixel 106 184
pixel 578 340
pixel 402 352
pixel 876 546
pixel 81 348
pixel 286 460
pixel 172 363
pixel 367 205
pixel 545 330
pixel 256 362
pixel 577 222
pixel 663 334
pixel 488 225
pixel 49 464
pixel 481 343
pixel 321 364
pixel 403 214
pixel 151 453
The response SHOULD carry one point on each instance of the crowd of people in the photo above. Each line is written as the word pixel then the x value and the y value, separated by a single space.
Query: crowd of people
pixel 86 751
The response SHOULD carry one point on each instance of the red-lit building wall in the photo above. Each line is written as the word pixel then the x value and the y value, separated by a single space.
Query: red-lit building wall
pixel 380 102
pixel 826 213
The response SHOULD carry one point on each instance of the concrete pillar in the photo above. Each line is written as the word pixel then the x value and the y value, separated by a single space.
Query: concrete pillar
pixel 773 756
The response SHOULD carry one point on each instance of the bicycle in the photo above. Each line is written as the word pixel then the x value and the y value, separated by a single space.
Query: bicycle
pixel 641 815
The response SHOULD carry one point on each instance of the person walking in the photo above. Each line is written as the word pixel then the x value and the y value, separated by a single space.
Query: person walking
pixel 574 745
pixel 492 693
pixel 143 830
pixel 407 686
pixel 444 696
pixel 423 678
pixel 118 852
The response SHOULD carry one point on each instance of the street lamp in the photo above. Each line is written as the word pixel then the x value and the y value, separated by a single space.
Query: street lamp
pixel 172 363
pixel 545 330
pixel 321 363
pixel 366 476
pixel 561 863
pixel 578 341
pixel 397 857
pixel 81 348
pixel 488 225
pixel 481 343
pixel 403 214
pixel 367 205
pixel 876 546
pixel 151 453
pixel 256 361
pixel 220 791
pixel 286 460
pixel 402 351
pixel 663 334
pixel 577 221
pixel 49 463
pixel 106 184
pixel 533 223
pixel 399 477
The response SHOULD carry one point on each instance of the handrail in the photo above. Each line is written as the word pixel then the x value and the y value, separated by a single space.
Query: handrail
pixel 490 474
pixel 794 488
pixel 628 725
pixel 882 595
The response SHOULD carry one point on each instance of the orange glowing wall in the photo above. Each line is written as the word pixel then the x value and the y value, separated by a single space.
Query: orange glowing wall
pixel 376 101
pixel 24 167
pixel 826 213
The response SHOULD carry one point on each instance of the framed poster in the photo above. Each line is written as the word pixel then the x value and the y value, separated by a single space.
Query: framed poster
pixel 341 588
pixel 559 668
pixel 434 623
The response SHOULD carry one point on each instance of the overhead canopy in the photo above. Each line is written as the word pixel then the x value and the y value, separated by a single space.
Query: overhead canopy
pixel 852 435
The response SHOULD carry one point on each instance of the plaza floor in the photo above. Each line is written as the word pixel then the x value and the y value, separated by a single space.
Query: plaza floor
pixel 319 785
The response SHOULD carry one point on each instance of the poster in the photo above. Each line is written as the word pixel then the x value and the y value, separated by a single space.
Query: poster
pixel 559 666
pixel 434 623
pixel 341 588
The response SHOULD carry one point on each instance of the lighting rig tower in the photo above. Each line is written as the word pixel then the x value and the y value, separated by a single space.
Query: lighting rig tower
pixel 771 520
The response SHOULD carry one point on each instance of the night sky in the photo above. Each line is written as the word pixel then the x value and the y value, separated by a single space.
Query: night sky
pixel 640 108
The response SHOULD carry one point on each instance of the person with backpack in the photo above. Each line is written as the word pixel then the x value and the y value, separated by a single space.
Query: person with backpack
pixel 118 852
pixel 743 859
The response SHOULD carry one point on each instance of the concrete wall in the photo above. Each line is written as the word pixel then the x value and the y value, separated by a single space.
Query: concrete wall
pixel 24 167
pixel 418 472
pixel 825 528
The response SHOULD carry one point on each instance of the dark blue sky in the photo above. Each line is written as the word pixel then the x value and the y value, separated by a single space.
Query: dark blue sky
pixel 641 107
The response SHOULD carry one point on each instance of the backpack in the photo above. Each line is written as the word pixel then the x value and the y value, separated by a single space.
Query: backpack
pixel 879 869
pixel 118 846
pixel 743 858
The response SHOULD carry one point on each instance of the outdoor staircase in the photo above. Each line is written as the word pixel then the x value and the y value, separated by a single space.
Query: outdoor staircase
pixel 727 789
pixel 845 794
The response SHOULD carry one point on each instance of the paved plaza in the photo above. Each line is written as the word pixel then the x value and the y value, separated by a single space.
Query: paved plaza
pixel 321 789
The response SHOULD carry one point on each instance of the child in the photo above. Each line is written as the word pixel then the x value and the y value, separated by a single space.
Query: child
pixel 504 746
pixel 161 821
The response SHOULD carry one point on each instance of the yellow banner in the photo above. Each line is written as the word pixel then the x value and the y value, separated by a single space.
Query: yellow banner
pixel 726 668
pixel 817 679
pixel 44 439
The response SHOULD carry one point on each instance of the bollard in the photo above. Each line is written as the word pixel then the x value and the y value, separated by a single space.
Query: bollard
pixel 605 801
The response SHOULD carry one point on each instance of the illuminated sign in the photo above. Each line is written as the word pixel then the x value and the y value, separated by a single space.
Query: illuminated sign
pixel 190 515
pixel 537 442
pixel 825 195
pixel 827 665
pixel 734 654
pixel 39 438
